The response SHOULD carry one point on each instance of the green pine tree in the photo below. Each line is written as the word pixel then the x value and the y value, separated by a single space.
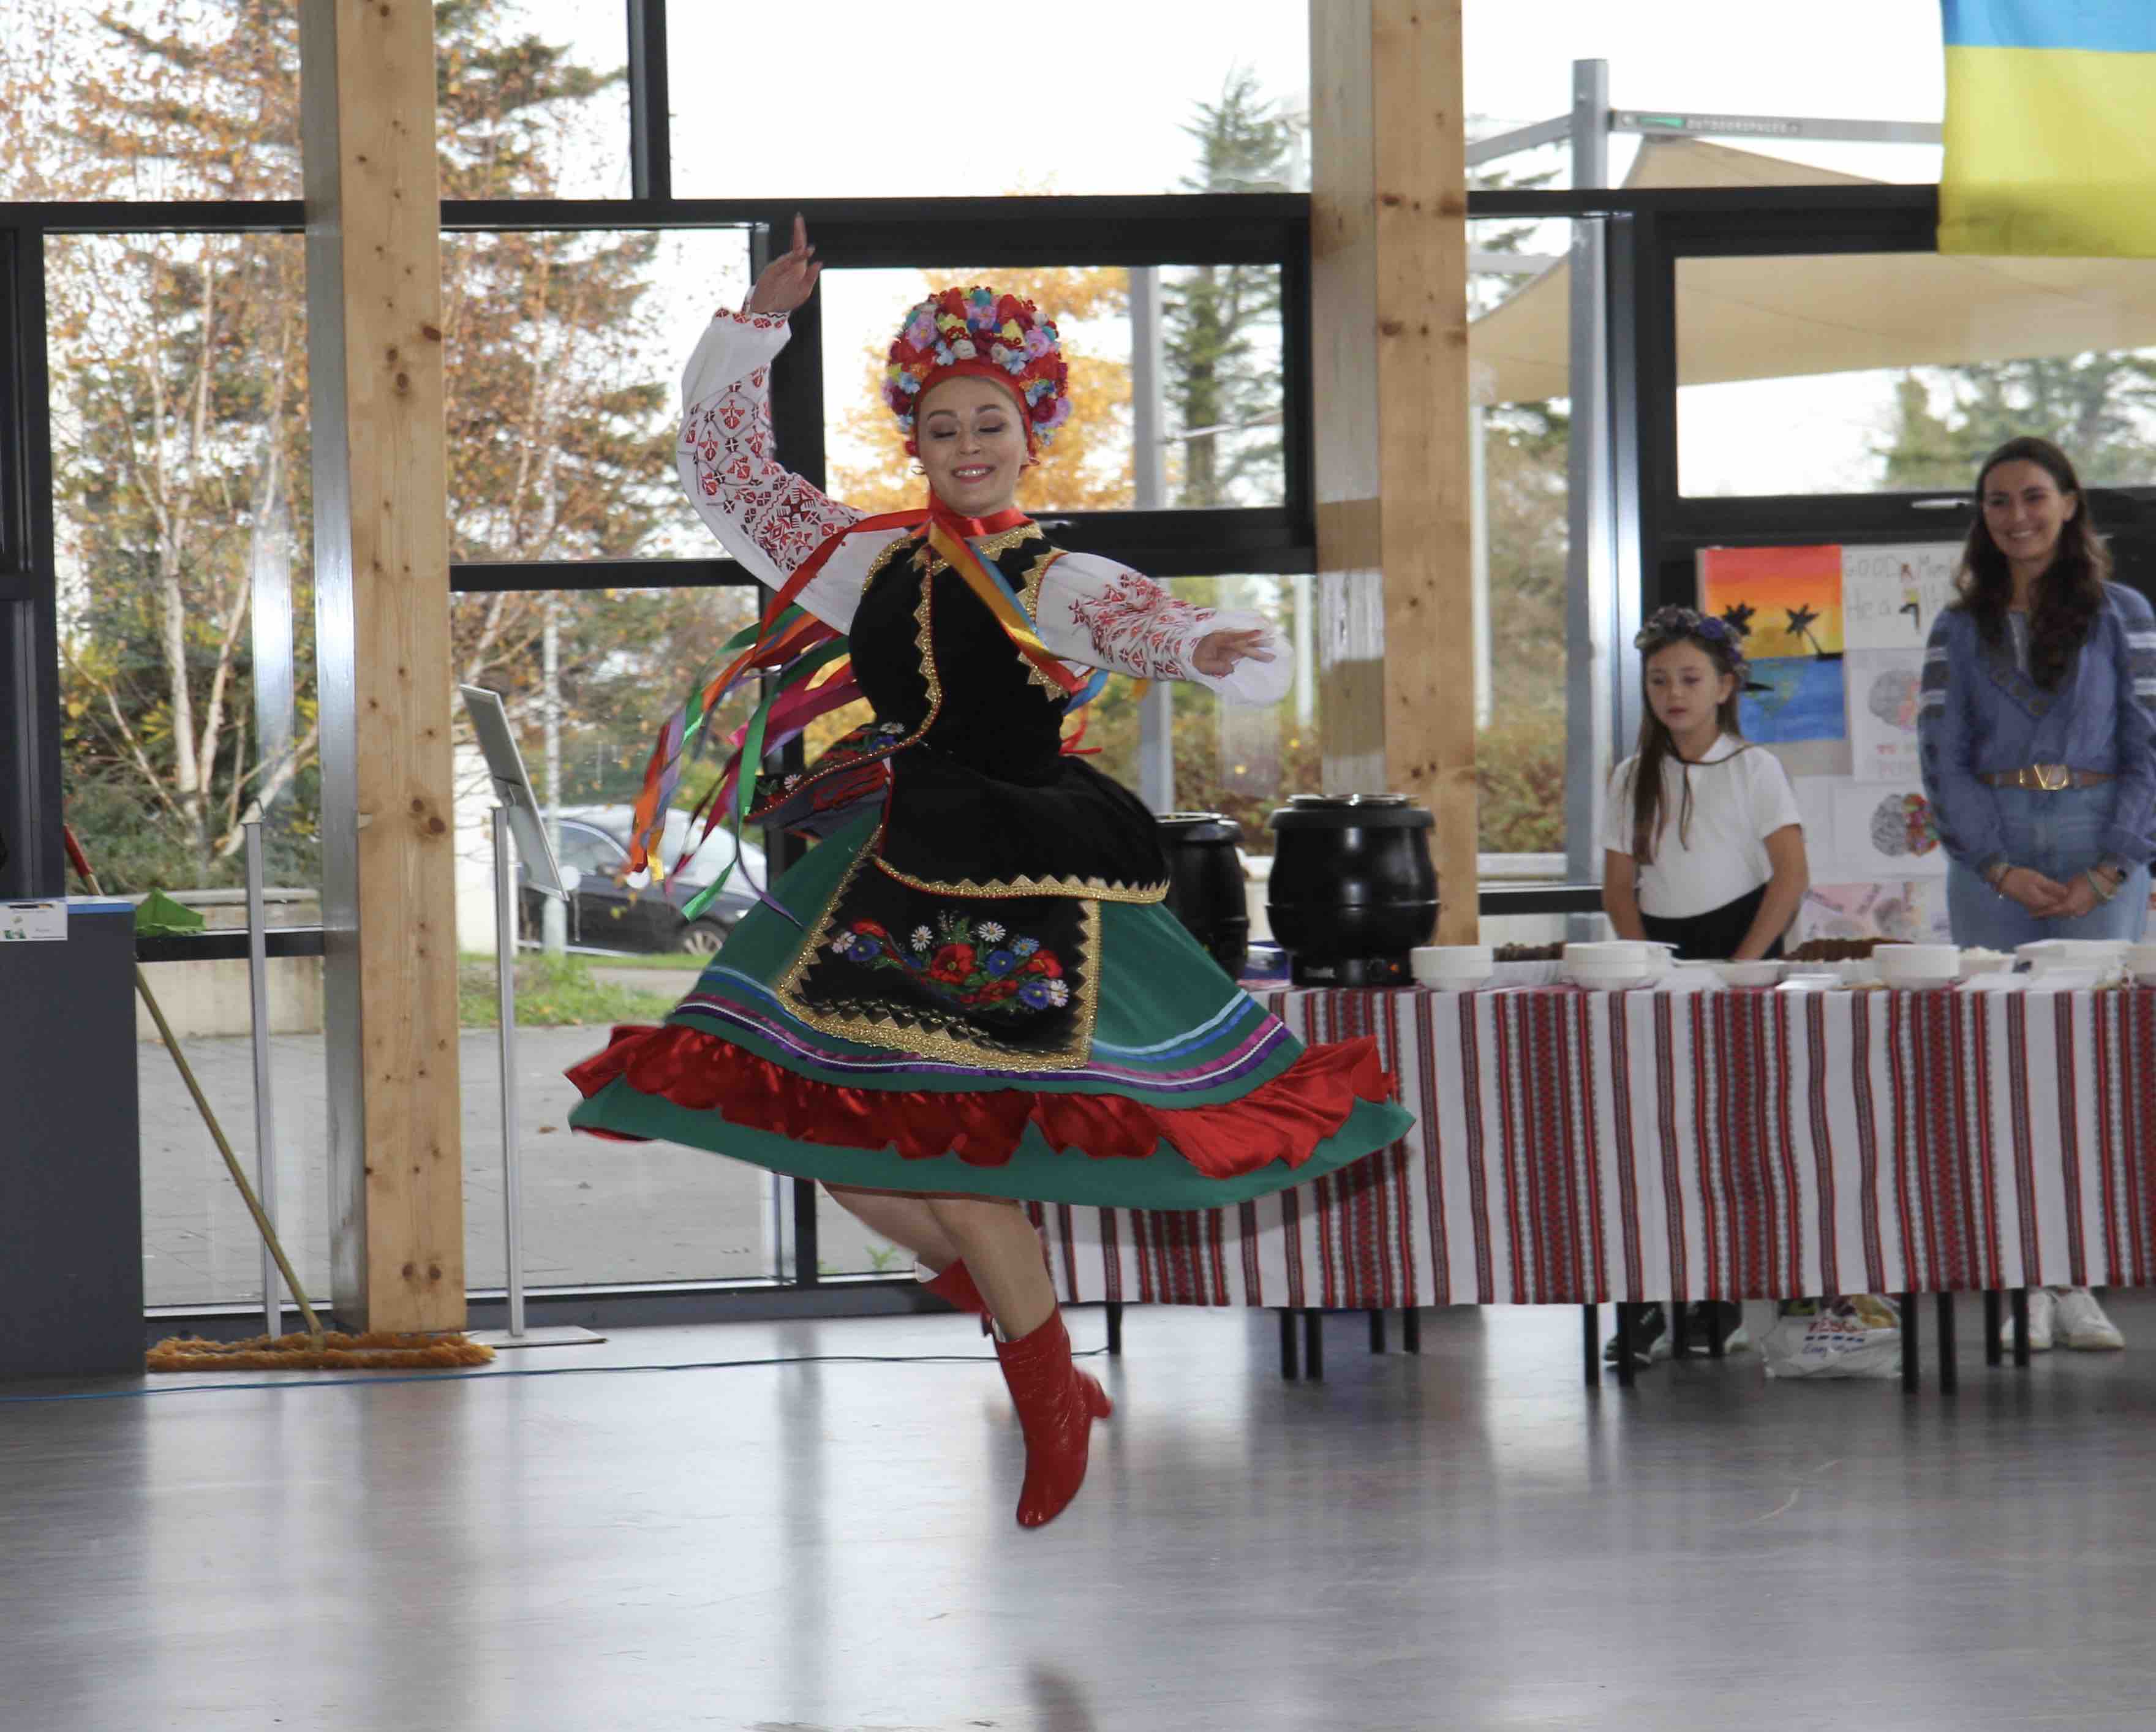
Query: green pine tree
pixel 1221 322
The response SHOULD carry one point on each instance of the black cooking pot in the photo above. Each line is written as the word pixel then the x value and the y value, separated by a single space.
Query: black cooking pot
pixel 1205 883
pixel 1352 891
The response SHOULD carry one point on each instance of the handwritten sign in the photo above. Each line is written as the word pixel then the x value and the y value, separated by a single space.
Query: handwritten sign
pixel 1889 596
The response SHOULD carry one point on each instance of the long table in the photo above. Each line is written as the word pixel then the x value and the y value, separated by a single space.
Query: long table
pixel 1576 1147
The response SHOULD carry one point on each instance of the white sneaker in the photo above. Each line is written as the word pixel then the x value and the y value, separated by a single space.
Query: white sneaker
pixel 2081 1323
pixel 2042 1311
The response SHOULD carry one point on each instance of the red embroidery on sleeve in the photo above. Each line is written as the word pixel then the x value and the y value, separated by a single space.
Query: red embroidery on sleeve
pixel 1137 626
pixel 734 458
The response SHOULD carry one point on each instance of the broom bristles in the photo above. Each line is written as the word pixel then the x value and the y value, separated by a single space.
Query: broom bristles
pixel 376 1350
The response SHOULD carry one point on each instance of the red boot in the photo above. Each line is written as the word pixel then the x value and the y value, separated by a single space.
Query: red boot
pixel 955 1288
pixel 1057 1404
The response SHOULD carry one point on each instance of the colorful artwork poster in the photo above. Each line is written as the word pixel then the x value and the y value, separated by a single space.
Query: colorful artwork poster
pixel 1913 910
pixel 1884 832
pixel 1889 596
pixel 1799 697
pixel 1882 686
pixel 1786 602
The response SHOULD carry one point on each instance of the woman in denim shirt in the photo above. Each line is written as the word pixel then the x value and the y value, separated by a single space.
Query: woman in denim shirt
pixel 2038 743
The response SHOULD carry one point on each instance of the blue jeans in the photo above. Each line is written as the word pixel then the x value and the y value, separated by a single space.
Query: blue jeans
pixel 2060 835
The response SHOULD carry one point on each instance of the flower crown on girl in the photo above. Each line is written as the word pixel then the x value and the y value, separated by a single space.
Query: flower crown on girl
pixel 989 335
pixel 1719 639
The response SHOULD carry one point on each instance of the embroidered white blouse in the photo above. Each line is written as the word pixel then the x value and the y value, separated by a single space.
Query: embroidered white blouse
pixel 1093 613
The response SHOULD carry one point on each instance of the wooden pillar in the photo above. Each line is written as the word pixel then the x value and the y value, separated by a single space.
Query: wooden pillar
pixel 382 615
pixel 1388 240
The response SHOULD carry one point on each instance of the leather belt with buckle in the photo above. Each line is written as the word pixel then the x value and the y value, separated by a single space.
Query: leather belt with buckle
pixel 2047 778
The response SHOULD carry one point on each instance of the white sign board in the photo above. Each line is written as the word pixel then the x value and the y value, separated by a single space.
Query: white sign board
pixel 32 922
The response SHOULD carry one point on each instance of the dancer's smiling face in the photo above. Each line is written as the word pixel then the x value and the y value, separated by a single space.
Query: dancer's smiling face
pixel 971 443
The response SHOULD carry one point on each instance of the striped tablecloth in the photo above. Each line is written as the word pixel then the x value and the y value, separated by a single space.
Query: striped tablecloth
pixel 1574 1147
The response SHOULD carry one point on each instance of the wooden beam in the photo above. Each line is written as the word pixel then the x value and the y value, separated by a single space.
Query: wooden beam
pixel 1389 237
pixel 382 588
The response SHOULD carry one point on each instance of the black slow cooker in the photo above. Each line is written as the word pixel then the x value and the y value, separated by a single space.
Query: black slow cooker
pixel 1353 890
pixel 1205 883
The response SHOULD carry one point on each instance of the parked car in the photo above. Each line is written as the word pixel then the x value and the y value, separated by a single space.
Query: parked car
pixel 605 914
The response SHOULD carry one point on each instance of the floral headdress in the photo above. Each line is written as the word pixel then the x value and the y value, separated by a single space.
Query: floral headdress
pixel 989 336
pixel 1718 638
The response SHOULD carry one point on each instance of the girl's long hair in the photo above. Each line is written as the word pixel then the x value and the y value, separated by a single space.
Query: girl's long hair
pixel 1670 626
pixel 2066 600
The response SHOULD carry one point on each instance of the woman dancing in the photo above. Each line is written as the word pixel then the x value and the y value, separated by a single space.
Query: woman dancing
pixel 968 996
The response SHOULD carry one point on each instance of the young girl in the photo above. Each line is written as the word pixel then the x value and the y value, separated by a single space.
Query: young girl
pixel 1702 848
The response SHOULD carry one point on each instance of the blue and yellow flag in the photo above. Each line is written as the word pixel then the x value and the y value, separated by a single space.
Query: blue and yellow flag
pixel 2050 128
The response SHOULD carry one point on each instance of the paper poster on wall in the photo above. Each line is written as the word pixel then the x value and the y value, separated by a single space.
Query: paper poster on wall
pixel 1800 698
pixel 1882 830
pixel 1786 602
pixel 1816 813
pixel 1882 687
pixel 1889 596
pixel 1913 910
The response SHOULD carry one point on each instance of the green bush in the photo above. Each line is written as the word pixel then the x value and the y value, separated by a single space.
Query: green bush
pixel 1519 770
pixel 553 992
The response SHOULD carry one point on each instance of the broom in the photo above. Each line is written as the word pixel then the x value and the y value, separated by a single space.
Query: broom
pixel 317 1349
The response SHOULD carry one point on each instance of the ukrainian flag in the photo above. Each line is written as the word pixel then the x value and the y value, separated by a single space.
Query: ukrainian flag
pixel 2050 128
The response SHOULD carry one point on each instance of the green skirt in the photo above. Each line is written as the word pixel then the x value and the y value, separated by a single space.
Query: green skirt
pixel 826 1044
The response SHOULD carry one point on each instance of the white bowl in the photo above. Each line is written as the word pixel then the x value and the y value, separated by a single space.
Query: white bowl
pixel 2140 960
pixel 1607 976
pixel 2046 955
pixel 1633 952
pixel 1917 965
pixel 1749 974
pixel 1453 967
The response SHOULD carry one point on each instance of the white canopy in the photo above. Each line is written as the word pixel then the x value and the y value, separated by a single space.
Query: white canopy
pixel 1770 317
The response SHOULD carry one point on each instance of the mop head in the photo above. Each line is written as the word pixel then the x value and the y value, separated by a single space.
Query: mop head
pixel 377 1351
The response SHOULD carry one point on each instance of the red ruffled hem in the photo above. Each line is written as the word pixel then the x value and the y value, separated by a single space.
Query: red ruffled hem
pixel 1282 1120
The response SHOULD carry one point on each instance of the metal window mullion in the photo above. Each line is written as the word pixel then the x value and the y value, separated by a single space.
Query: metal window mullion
pixel 30 803
pixel 1591 652
pixel 650 117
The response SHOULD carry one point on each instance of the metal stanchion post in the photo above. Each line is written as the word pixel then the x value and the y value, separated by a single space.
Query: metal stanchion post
pixel 265 1133
pixel 512 1192
pixel 505 974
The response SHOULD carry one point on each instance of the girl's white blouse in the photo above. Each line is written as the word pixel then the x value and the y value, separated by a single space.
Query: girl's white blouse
pixel 1092 612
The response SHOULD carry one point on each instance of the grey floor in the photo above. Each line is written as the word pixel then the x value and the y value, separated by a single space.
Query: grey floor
pixel 1464 1539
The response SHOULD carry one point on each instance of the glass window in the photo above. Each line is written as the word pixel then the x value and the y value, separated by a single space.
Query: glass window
pixel 1676 57
pixel 199 99
pixel 150 99
pixel 183 540
pixel 1896 371
pixel 1519 434
pixel 532 100
pixel 1196 106
pixel 565 354
pixel 1217 383
pixel 622 659
pixel 183 537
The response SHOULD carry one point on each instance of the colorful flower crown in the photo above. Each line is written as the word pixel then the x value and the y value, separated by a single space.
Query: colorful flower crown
pixel 1719 639
pixel 990 336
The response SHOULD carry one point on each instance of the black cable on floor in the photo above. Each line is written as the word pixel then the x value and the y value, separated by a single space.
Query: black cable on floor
pixel 376 1382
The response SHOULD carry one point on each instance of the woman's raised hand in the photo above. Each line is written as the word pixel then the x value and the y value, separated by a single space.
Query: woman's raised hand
pixel 1218 652
pixel 788 280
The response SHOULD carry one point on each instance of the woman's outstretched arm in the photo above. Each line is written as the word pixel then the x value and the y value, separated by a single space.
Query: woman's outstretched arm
pixel 767 517
pixel 1100 614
